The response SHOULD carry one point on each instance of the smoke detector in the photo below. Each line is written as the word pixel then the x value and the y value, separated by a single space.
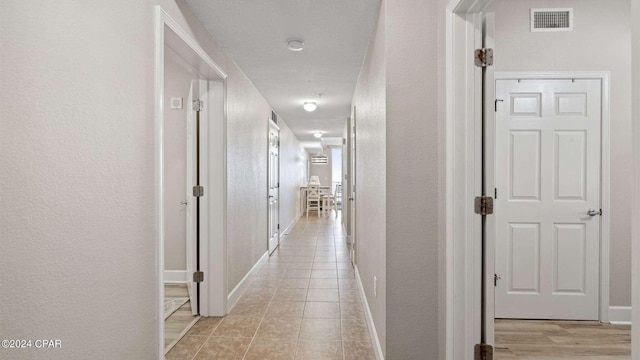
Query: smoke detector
pixel 295 45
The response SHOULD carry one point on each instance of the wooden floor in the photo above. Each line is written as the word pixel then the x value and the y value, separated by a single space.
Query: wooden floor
pixel 176 325
pixel 532 339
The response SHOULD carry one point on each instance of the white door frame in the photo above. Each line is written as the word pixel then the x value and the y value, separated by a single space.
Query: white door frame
pixel 635 206
pixel 213 172
pixel 463 179
pixel 353 178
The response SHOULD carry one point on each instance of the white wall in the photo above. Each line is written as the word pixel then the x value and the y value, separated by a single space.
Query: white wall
pixel 77 201
pixel 601 40
pixel 400 103
pixel 177 83
pixel 292 162
pixel 82 241
pixel 413 72
pixel 370 102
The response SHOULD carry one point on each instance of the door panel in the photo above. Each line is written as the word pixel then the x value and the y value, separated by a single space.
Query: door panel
pixel 570 165
pixel 547 163
pixel 524 165
pixel 570 242
pixel 524 262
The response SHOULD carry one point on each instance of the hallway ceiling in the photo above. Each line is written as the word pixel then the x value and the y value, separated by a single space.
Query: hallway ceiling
pixel 336 36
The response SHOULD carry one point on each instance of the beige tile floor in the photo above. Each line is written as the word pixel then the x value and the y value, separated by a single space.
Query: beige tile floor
pixel 303 304
pixel 531 339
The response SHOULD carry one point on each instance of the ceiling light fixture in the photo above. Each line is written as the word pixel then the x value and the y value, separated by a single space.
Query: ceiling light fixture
pixel 310 106
pixel 317 134
pixel 295 45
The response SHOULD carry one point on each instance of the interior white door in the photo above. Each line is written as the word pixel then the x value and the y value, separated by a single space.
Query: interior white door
pixel 192 211
pixel 547 173
pixel 274 185
pixel 352 195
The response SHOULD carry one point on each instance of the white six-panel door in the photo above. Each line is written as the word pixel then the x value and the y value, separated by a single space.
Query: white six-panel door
pixel 274 184
pixel 547 173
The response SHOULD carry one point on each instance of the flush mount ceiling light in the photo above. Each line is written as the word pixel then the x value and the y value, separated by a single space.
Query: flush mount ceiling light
pixel 295 45
pixel 310 105
pixel 317 134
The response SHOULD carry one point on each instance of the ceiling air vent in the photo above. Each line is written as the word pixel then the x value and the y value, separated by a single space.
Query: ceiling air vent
pixel 551 20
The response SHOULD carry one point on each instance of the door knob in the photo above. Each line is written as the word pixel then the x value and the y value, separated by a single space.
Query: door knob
pixel 183 202
pixel 594 212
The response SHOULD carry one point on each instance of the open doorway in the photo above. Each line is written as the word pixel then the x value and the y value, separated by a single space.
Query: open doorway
pixel 191 182
pixel 181 226
pixel 565 139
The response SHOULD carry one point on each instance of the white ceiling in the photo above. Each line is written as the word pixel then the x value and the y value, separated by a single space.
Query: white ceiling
pixel 336 36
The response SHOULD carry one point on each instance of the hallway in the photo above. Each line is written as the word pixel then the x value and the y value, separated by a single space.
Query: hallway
pixel 303 304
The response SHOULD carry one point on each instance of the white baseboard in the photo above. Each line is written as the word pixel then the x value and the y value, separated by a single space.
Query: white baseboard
pixel 175 276
pixel 235 294
pixel 290 226
pixel 375 341
pixel 620 315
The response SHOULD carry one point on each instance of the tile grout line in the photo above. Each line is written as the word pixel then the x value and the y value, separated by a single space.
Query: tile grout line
pixel 258 328
pixel 208 337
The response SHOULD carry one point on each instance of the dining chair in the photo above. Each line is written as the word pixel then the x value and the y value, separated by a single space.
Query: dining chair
pixel 313 199
pixel 328 203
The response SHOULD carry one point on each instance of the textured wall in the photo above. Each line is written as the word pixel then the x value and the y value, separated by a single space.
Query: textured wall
pixel 77 218
pixel 598 25
pixel 369 100
pixel 76 178
pixel 412 75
